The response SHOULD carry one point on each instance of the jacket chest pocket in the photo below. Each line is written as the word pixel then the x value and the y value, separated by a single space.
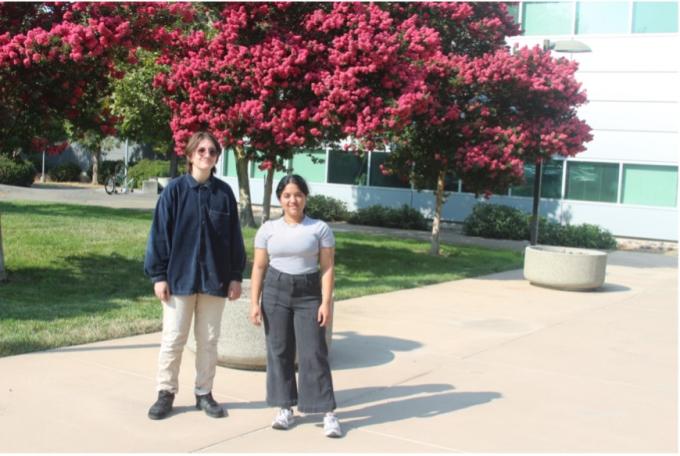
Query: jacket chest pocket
pixel 219 221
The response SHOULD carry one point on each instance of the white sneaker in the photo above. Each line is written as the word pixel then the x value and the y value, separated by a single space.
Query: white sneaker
pixel 284 419
pixel 331 426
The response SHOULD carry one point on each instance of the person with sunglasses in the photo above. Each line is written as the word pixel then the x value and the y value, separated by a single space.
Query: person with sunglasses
pixel 195 259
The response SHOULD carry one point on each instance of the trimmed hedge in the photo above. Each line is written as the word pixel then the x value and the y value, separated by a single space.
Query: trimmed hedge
pixel 496 221
pixel 16 172
pixel 404 217
pixel 504 222
pixel 65 172
pixel 326 208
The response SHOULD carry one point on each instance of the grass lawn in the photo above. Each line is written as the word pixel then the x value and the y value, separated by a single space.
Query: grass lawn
pixel 76 272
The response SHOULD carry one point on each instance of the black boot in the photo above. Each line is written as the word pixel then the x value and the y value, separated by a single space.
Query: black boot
pixel 206 403
pixel 163 405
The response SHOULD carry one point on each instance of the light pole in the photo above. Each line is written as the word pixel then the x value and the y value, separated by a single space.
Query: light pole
pixel 570 46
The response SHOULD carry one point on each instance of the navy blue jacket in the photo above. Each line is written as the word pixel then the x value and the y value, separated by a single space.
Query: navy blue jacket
pixel 195 242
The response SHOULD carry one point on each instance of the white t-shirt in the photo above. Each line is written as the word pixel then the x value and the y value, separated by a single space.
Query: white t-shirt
pixel 294 249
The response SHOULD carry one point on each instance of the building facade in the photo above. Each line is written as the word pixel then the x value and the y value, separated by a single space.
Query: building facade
pixel 627 179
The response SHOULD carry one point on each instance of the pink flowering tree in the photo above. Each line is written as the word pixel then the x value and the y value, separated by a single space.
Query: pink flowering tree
pixel 57 61
pixel 489 111
pixel 278 77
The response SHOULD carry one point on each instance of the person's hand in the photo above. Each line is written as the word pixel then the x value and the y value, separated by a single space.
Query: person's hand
pixel 162 291
pixel 255 314
pixel 324 315
pixel 234 290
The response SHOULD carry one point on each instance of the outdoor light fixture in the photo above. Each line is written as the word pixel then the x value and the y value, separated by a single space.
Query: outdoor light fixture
pixel 557 46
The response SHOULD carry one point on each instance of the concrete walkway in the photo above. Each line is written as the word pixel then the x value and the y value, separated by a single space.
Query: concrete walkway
pixel 490 364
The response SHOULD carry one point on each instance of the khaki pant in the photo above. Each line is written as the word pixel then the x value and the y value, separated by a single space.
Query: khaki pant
pixel 177 316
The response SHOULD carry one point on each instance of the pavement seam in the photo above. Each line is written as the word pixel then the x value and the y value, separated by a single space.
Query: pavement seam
pixel 418 442
pixel 243 434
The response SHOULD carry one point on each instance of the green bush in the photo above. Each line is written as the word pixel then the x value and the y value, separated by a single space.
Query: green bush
pixel 404 217
pixel 496 221
pixel 146 169
pixel 585 235
pixel 326 208
pixel 65 172
pixel 504 222
pixel 16 172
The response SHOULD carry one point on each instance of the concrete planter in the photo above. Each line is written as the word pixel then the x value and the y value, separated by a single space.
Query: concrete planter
pixel 242 344
pixel 565 267
pixel 163 182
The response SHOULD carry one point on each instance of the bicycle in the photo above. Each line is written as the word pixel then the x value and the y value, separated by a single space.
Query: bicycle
pixel 118 180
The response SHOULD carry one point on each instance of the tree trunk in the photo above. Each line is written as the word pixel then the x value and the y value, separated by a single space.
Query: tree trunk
pixel 3 274
pixel 436 221
pixel 96 159
pixel 245 205
pixel 172 156
pixel 266 203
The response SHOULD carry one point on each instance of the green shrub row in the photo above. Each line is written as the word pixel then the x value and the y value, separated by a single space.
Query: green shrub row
pixel 503 222
pixel 65 172
pixel 326 208
pixel 332 209
pixel 16 172
pixel 404 217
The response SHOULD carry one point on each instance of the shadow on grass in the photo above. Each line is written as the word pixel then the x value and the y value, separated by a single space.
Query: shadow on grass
pixel 74 210
pixel 83 286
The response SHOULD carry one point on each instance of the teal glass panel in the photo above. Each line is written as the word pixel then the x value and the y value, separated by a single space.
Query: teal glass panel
pixel 347 168
pixel 601 17
pixel 378 179
pixel 229 163
pixel 650 185
pixel 655 17
pixel 513 10
pixel 256 172
pixel 547 18
pixel 592 181
pixel 311 165
pixel 551 181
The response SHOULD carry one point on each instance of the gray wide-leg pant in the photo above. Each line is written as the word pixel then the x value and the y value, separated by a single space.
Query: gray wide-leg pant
pixel 290 305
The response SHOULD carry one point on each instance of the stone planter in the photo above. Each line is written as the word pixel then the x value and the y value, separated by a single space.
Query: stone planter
pixel 163 182
pixel 564 267
pixel 242 344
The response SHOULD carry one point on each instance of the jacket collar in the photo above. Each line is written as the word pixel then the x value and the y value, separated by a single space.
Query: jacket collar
pixel 193 183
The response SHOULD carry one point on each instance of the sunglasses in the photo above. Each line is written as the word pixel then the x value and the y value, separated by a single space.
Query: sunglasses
pixel 203 151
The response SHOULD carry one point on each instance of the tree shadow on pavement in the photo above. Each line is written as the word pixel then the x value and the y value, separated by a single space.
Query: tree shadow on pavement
pixel 351 350
pixel 390 404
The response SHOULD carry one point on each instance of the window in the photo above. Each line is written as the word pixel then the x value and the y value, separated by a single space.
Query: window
pixel 551 181
pixel 547 18
pixel 655 17
pixel 378 179
pixel 592 181
pixel 311 165
pixel 347 168
pixel 601 17
pixel 650 185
